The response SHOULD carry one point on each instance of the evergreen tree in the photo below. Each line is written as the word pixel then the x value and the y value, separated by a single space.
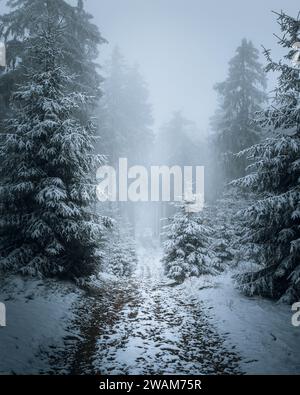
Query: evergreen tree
pixel 187 248
pixel 139 115
pixel 121 258
pixel 241 95
pixel 124 119
pixel 125 113
pixel 274 221
pixel 112 119
pixel 229 243
pixel 47 226
pixel 219 220
pixel 80 41
pixel 178 142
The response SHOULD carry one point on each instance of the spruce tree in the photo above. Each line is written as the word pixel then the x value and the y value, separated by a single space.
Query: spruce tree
pixel 47 187
pixel 121 257
pixel 241 95
pixel 112 120
pixel 219 219
pixel 274 220
pixel 125 117
pixel 187 249
pixel 80 40
pixel 124 127
pixel 230 244
pixel 178 142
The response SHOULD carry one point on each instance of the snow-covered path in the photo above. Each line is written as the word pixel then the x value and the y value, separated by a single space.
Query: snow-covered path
pixel 144 325
pixel 148 327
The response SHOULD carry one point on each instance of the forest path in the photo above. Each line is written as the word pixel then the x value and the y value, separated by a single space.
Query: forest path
pixel 148 327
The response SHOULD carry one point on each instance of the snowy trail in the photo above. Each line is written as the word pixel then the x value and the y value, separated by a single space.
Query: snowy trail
pixel 144 325
pixel 148 327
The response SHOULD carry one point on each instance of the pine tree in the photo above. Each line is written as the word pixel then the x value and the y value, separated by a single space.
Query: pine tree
pixel 139 115
pixel 231 246
pixel 125 119
pixel 274 220
pixel 112 119
pixel 178 142
pixel 125 113
pixel 241 95
pixel 47 226
pixel 219 218
pixel 80 40
pixel 121 257
pixel 187 248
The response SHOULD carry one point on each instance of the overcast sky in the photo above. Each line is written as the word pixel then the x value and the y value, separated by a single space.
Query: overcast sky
pixel 183 46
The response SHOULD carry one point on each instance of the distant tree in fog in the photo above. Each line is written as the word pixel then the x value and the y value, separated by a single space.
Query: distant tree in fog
pixel 124 112
pixel 177 142
pixel 241 95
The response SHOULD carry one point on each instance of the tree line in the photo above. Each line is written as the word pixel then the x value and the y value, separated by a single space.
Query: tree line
pixel 62 116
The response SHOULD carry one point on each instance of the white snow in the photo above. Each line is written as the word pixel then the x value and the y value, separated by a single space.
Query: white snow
pixel 38 313
pixel 149 331
pixel 158 331
pixel 261 329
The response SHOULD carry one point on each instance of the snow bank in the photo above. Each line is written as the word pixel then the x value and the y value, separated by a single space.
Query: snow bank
pixel 260 329
pixel 38 313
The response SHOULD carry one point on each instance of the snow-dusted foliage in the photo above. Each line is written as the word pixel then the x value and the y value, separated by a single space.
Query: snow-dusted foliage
pixel 223 235
pixel 187 250
pixel 230 242
pixel 47 226
pixel 121 258
pixel 274 220
pixel 80 41
pixel 219 220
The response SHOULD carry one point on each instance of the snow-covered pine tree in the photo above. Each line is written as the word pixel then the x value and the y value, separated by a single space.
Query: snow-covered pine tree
pixel 47 226
pixel 240 95
pixel 80 40
pixel 218 218
pixel 187 249
pixel 121 257
pixel 274 220
pixel 229 242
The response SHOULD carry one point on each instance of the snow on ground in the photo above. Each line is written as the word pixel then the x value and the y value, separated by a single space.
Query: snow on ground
pixel 161 331
pixel 261 329
pixel 38 313
pixel 144 325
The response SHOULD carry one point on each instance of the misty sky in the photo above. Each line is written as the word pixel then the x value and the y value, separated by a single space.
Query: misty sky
pixel 183 46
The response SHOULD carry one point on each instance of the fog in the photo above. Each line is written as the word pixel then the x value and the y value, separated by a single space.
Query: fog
pixel 183 47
